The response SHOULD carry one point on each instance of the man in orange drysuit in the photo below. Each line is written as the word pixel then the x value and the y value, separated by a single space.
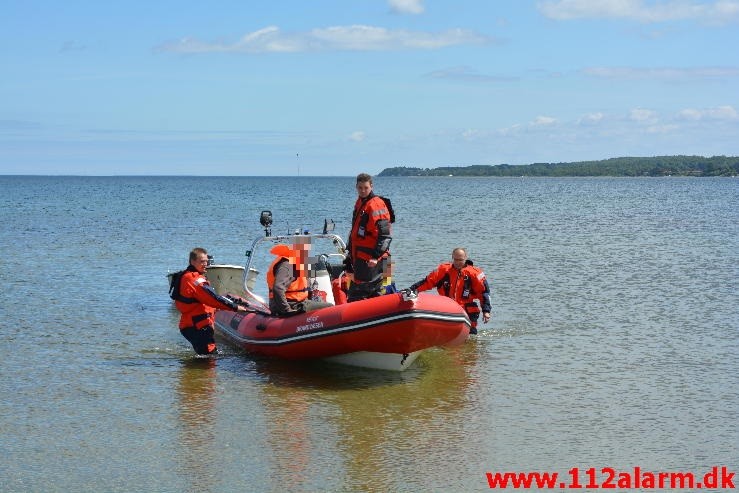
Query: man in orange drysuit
pixel 197 301
pixel 462 282
pixel 369 241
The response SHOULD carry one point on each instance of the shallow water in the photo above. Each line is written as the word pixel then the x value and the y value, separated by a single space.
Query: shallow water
pixel 613 341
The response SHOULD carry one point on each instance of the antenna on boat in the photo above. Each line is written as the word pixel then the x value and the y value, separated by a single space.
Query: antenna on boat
pixel 265 219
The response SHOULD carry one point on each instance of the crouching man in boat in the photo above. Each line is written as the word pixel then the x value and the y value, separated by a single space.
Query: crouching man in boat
pixel 197 301
pixel 461 281
pixel 287 279
pixel 369 241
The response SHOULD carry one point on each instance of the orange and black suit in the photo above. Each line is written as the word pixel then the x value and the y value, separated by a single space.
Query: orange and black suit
pixel 369 239
pixel 463 285
pixel 197 301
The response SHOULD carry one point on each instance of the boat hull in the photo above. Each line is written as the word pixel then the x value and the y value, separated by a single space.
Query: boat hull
pixel 362 333
pixel 376 361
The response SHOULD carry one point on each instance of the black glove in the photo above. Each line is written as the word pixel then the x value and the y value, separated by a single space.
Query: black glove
pixel 236 300
pixel 415 285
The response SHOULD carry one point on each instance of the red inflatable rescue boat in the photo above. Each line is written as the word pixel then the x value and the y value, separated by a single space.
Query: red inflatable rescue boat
pixel 386 332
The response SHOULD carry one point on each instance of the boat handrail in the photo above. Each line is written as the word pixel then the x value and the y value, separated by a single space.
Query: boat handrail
pixel 335 239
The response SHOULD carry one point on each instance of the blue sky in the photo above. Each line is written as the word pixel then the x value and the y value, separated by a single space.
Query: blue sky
pixel 318 87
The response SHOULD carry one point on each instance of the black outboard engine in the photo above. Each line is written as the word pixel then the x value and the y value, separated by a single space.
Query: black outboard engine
pixel 265 219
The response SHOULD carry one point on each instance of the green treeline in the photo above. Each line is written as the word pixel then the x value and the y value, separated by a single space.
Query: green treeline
pixel 620 166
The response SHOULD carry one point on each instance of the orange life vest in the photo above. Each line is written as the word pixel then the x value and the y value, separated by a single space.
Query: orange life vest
pixel 365 232
pixel 298 289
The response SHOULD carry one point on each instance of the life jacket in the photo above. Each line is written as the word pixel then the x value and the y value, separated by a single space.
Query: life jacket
pixel 297 291
pixel 370 234
pixel 468 286
pixel 463 297
pixel 464 286
pixel 196 300
pixel 444 285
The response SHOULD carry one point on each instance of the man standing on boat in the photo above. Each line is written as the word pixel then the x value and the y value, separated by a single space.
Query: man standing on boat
pixel 197 301
pixel 369 241
pixel 287 279
pixel 461 281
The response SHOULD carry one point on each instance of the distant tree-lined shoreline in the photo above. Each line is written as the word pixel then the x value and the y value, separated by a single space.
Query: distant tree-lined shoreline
pixel 620 166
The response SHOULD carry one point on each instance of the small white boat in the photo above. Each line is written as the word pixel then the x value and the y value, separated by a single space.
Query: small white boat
pixel 226 278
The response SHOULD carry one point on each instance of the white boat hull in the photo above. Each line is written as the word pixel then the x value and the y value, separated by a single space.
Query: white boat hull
pixel 226 279
pixel 377 361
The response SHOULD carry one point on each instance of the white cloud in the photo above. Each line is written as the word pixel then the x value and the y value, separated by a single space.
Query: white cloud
pixel 543 121
pixel 337 38
pixel 472 134
pixel 662 129
pixel 591 119
pixel 662 73
pixel 643 115
pixel 517 128
pixel 468 74
pixel 407 6
pixel 720 11
pixel 357 136
pixel 718 113
pixel 600 134
pixel 512 130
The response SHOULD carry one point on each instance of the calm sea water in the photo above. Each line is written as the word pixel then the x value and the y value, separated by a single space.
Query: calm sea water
pixel 613 343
